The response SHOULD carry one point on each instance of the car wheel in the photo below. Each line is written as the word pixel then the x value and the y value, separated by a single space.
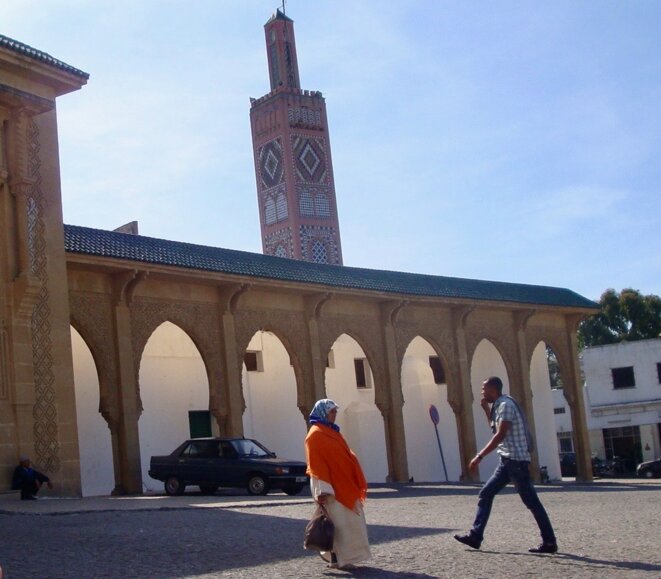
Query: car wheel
pixel 208 489
pixel 257 485
pixel 174 486
pixel 648 473
pixel 293 489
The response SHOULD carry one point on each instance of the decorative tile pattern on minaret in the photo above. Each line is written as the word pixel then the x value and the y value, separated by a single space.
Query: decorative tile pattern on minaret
pixel 295 188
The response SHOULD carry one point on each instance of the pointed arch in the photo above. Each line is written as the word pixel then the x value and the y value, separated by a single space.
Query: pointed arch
pixel 350 381
pixel 421 388
pixel 487 360
pixel 94 436
pixel 543 405
pixel 271 394
pixel 174 382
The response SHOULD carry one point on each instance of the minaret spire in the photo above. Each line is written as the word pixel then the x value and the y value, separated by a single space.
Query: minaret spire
pixel 295 186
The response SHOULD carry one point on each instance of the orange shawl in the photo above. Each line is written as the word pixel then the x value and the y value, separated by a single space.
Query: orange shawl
pixel 330 459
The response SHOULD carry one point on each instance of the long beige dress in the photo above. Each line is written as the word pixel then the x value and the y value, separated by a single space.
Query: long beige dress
pixel 350 545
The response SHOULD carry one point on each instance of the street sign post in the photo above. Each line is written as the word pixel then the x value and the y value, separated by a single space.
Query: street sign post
pixel 436 418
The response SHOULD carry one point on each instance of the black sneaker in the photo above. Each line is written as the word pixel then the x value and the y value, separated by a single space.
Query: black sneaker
pixel 544 548
pixel 469 540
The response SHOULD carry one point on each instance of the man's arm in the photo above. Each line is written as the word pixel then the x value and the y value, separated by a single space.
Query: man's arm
pixel 496 439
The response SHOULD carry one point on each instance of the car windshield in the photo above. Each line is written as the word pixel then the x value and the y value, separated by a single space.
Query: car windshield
pixel 250 448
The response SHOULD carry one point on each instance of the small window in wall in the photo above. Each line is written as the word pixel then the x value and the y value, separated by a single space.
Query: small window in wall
pixel 253 361
pixel 559 410
pixel 437 368
pixel 623 377
pixel 363 376
pixel 330 359
pixel 658 371
pixel 565 443
pixel 199 423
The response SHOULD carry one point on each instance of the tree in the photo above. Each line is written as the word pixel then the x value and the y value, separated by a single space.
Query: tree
pixel 624 317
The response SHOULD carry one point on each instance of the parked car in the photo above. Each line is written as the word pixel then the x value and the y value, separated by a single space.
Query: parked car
pixel 227 462
pixel 649 469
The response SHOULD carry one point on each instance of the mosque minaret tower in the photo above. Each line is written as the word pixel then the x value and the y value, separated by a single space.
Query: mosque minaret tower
pixel 295 186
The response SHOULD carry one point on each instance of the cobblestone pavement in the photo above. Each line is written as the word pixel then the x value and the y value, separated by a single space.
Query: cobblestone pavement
pixel 607 529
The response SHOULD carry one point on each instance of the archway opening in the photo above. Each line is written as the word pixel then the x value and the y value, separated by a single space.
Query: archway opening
pixel 174 389
pixel 94 438
pixel 424 384
pixel 350 383
pixel 552 416
pixel 269 388
pixel 486 362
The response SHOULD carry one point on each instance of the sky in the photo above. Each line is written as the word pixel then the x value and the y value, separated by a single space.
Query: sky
pixel 509 141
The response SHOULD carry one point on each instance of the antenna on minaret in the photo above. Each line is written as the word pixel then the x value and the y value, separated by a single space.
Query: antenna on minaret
pixel 284 9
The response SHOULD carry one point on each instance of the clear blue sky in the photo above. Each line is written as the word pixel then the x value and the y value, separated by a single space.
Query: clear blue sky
pixel 514 141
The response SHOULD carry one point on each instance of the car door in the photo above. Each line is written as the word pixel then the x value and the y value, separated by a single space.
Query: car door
pixel 197 461
pixel 228 471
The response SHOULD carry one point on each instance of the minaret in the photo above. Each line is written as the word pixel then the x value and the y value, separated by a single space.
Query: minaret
pixel 295 188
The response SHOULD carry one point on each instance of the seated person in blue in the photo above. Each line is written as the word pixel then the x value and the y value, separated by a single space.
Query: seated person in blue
pixel 28 480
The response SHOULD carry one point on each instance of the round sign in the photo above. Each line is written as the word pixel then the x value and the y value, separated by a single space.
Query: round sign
pixel 433 414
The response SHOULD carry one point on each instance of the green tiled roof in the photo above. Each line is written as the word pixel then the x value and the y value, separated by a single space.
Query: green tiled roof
pixel 149 250
pixel 20 48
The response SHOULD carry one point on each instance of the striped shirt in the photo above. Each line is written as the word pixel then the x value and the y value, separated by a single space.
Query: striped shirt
pixel 515 444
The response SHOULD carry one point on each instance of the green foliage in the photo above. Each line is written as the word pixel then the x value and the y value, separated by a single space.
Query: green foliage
pixel 627 316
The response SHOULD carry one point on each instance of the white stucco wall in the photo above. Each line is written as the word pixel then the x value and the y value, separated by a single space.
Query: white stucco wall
pixel 173 380
pixel 608 407
pixel 420 392
pixel 359 419
pixel 95 446
pixel 643 355
pixel 542 400
pixel 486 362
pixel 272 415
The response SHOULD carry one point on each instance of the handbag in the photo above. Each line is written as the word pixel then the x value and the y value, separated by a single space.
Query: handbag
pixel 319 532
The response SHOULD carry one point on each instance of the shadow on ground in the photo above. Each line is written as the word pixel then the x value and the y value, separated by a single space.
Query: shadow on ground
pixel 159 544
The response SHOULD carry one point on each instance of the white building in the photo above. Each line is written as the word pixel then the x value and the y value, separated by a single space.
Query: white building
pixel 623 399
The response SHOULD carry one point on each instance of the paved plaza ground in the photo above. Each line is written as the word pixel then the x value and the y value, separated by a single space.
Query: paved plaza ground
pixel 606 529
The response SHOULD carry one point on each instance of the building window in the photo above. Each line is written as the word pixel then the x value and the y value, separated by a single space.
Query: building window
pixel 559 410
pixel 269 211
pixel 565 443
pixel 253 361
pixel 658 371
pixel 319 252
pixel 322 206
pixel 363 375
pixel 306 204
pixel 281 209
pixel 437 368
pixel 330 359
pixel 623 377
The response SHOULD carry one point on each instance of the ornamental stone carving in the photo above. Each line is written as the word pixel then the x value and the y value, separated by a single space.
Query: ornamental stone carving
pixel 199 320
pixel 91 316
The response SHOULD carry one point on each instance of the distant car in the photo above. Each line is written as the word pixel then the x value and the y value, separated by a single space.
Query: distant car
pixel 227 462
pixel 649 469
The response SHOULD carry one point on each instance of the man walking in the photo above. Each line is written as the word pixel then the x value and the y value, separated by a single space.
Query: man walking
pixel 513 442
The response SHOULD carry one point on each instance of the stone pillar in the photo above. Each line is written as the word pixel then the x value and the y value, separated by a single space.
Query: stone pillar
pixel 391 410
pixel 126 436
pixel 463 403
pixel 573 392
pixel 229 299
pixel 317 390
pixel 521 388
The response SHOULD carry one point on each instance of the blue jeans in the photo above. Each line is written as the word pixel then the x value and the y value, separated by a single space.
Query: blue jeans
pixel 518 472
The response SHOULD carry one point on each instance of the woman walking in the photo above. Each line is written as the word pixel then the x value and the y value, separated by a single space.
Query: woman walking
pixel 337 481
